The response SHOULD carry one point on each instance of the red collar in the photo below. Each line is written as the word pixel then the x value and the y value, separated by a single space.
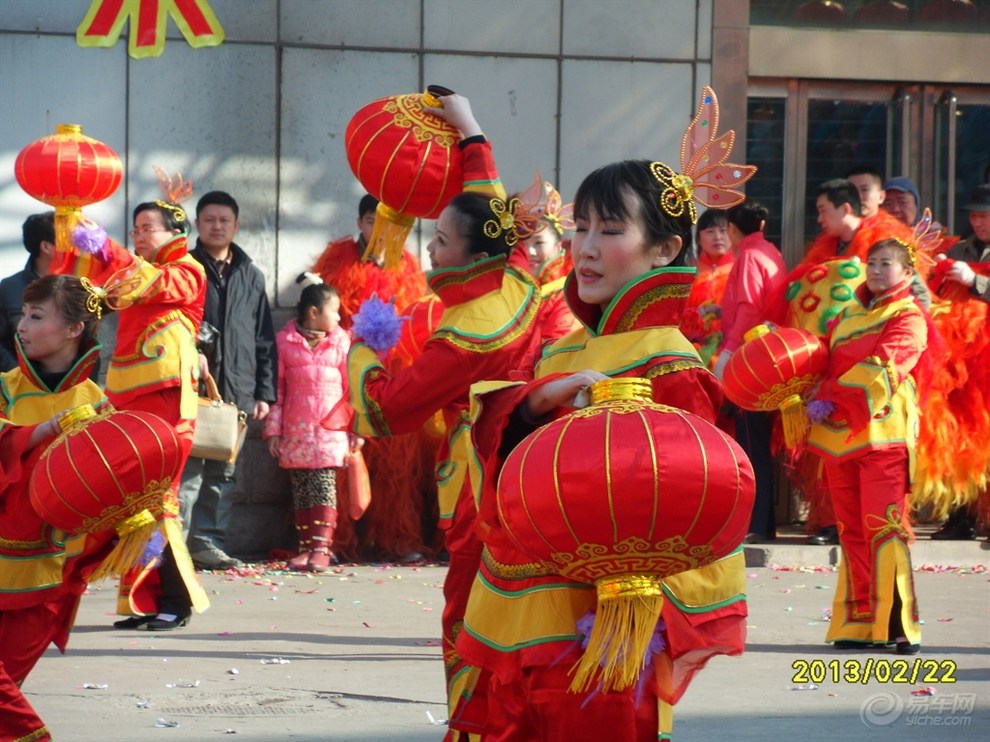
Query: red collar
pixel 655 299
pixel 466 282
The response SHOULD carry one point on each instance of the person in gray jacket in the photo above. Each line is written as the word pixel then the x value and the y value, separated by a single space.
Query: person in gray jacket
pixel 39 240
pixel 238 345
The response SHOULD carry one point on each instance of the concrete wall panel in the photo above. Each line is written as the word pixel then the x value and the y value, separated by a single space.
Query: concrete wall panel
pixel 393 24
pixel 516 108
pixel 630 28
pixel 520 26
pixel 619 110
pixel 321 90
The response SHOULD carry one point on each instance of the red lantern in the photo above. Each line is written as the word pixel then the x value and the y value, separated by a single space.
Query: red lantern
pixel 68 170
pixel 109 471
pixel 406 158
pixel 777 370
pixel 622 494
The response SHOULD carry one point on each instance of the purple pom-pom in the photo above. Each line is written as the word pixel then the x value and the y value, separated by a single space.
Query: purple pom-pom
pixel 154 548
pixel 91 238
pixel 819 409
pixel 377 324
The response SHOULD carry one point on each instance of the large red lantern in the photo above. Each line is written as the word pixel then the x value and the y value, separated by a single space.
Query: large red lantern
pixel 622 494
pixel 406 158
pixel 108 471
pixel 68 170
pixel 777 370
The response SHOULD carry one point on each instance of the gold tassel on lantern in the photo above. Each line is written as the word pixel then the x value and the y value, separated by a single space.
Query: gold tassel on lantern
pixel 625 621
pixel 795 421
pixel 133 536
pixel 388 237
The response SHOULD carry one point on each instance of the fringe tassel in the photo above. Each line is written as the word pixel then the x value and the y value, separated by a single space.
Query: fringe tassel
pixel 625 620
pixel 794 420
pixel 134 534
pixel 388 238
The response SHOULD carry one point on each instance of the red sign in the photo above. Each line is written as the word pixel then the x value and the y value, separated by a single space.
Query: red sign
pixel 148 19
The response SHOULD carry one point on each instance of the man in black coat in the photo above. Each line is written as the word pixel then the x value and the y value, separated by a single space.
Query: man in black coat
pixel 39 241
pixel 241 356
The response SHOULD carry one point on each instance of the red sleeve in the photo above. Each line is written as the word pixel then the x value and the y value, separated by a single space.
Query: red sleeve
pixel 694 390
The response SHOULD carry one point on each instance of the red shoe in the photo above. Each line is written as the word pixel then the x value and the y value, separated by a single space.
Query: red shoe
pixel 301 562
pixel 320 559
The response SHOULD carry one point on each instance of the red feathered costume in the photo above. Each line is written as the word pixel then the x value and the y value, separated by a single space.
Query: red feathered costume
pixel 393 523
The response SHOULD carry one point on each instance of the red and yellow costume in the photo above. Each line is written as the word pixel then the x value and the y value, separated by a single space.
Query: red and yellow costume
pixel 555 318
pixel 155 368
pixel 342 266
pixel 394 518
pixel 868 444
pixel 701 323
pixel 487 330
pixel 521 621
pixel 39 587
pixel 811 297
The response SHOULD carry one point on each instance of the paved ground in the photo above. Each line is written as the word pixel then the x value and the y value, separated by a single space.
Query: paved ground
pixel 353 656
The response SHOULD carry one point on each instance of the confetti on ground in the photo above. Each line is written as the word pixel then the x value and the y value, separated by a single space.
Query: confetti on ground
pixel 95 686
pixel 945 620
pixel 809 686
pixel 183 684
pixel 143 704
pixel 428 643
pixel 928 691
pixel 166 724
pixel 233 671
pixel 274 661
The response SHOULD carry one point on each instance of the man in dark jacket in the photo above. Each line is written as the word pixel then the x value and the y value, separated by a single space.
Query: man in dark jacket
pixel 39 241
pixel 241 359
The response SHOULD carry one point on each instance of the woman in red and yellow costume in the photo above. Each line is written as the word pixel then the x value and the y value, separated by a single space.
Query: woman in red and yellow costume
pixel 487 329
pixel 39 587
pixel 813 295
pixel 865 427
pixel 716 256
pixel 541 228
pixel 159 291
pixel 523 622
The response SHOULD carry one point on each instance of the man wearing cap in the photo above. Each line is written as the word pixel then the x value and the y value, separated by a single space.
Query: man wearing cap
pixel 971 269
pixel 974 249
pixel 901 199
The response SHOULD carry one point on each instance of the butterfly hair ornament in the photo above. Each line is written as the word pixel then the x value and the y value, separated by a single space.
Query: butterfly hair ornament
pixel 174 191
pixel 532 217
pixel 705 177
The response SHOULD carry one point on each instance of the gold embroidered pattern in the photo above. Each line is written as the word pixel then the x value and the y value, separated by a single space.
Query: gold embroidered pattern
pixel 633 555
pixel 669 367
pixel 524 571
pixel 668 291
pixel 407 113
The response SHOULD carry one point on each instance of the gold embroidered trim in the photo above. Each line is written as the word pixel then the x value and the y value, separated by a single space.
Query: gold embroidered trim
pixel 647 299
pixel 669 367
pixel 515 571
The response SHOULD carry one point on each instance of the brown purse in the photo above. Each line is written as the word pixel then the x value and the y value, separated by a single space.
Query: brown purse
pixel 220 427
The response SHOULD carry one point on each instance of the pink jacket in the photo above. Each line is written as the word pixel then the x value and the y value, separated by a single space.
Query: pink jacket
pixel 758 271
pixel 310 382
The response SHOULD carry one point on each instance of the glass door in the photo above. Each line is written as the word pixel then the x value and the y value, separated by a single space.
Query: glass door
pixel 801 133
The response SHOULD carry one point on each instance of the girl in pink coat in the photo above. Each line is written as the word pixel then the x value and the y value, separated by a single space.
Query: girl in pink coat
pixel 312 378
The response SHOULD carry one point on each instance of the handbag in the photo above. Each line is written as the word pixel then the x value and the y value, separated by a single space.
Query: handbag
pixel 358 485
pixel 220 427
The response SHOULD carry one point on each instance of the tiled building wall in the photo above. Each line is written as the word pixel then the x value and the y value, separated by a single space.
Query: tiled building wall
pixel 560 86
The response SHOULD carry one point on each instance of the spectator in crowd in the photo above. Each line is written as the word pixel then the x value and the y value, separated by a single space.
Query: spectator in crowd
pixel 901 199
pixel 242 361
pixel 39 240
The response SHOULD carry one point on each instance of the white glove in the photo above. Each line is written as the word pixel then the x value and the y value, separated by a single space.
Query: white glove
pixel 960 272
pixel 723 359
